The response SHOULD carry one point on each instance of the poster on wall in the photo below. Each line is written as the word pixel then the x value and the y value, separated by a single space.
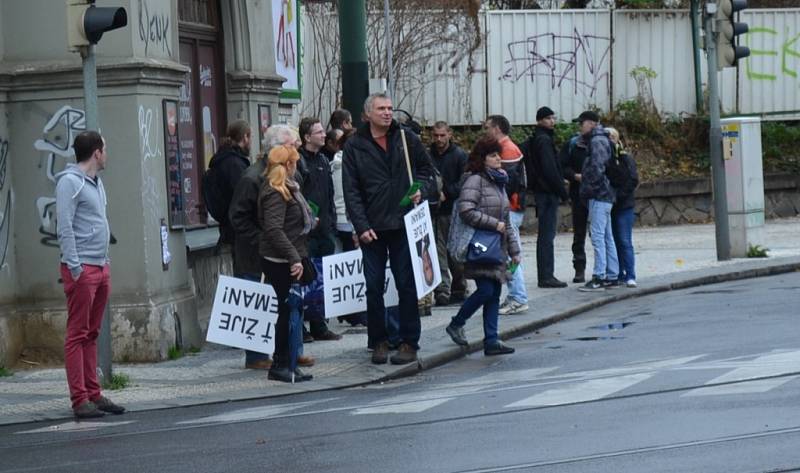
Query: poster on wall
pixel 264 122
pixel 172 159
pixel 286 29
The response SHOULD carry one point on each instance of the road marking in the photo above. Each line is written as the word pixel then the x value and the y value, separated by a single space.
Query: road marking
pixel 773 364
pixel 581 391
pixel 402 408
pixel 252 413
pixel 75 426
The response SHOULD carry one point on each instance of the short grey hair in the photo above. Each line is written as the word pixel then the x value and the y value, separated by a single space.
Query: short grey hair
pixel 372 97
pixel 278 135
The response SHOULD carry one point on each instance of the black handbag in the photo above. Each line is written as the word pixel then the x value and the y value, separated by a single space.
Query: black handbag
pixel 485 247
pixel 309 271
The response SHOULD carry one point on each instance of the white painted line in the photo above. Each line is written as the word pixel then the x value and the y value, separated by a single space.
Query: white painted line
pixel 748 387
pixel 581 391
pixel 402 408
pixel 75 426
pixel 253 413
pixel 774 364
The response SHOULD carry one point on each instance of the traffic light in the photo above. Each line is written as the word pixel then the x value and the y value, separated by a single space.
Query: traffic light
pixel 728 52
pixel 86 23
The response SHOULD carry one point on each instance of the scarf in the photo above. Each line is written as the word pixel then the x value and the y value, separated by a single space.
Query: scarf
pixel 499 176
pixel 308 219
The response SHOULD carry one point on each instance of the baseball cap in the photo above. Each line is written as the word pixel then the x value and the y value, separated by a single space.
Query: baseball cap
pixel 587 115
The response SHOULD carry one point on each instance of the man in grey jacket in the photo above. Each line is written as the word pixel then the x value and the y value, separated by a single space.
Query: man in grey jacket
pixel 83 235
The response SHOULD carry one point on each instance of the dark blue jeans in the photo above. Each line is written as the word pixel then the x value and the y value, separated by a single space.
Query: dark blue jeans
pixel 622 227
pixel 487 295
pixel 252 356
pixel 547 213
pixel 391 243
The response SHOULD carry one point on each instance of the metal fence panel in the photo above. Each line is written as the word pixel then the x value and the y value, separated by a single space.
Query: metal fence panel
pixel 559 58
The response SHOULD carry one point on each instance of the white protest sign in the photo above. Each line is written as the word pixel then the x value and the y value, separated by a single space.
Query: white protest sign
pixel 345 288
pixel 243 315
pixel 422 244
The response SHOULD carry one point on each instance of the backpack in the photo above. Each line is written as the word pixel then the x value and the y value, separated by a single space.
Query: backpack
pixel 215 198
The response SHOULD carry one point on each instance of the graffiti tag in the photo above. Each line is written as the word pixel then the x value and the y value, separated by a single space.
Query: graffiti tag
pixel 787 51
pixel 154 29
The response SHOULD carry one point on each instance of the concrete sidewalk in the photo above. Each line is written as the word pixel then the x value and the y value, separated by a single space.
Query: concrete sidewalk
pixel 667 258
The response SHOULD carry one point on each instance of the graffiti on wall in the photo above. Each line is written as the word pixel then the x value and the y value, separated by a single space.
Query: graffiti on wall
pixel 783 59
pixel 57 137
pixel 577 60
pixel 154 29
pixel 148 148
pixel 5 206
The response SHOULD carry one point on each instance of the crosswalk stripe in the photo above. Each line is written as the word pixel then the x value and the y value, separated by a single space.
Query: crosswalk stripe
pixel 253 413
pixel 75 426
pixel 402 408
pixel 773 364
pixel 581 391
pixel 750 387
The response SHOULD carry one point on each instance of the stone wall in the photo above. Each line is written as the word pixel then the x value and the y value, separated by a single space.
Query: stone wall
pixel 689 201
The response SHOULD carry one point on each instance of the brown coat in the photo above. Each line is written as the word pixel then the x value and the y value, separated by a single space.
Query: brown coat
pixel 282 224
pixel 482 204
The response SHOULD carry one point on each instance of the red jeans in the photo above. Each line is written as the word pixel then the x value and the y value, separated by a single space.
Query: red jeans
pixel 86 302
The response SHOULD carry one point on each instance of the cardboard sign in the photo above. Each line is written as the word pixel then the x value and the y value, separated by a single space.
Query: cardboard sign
pixel 422 244
pixel 244 315
pixel 345 287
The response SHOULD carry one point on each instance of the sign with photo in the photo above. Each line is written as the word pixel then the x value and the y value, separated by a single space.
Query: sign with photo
pixel 422 244
pixel 244 315
pixel 345 287
pixel 286 30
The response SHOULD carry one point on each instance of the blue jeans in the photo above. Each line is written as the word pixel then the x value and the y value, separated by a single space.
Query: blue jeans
pixel 394 243
pixel 487 295
pixel 622 224
pixel 606 265
pixel 516 285
pixel 252 356
pixel 547 213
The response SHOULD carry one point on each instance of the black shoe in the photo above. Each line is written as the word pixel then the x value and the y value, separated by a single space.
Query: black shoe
pixel 326 336
pixel 497 348
pixel 580 277
pixel 284 374
pixel 442 300
pixel 87 410
pixel 380 353
pixel 301 376
pixel 595 285
pixel 307 338
pixel 104 404
pixel 552 283
pixel 612 283
pixel 457 335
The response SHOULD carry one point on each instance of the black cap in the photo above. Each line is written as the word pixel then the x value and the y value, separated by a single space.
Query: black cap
pixel 587 115
pixel 544 112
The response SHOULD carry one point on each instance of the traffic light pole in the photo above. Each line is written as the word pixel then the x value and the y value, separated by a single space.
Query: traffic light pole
pixel 353 46
pixel 715 137
pixel 90 110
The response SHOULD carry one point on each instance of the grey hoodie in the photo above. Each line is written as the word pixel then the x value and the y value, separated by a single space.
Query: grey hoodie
pixel 82 226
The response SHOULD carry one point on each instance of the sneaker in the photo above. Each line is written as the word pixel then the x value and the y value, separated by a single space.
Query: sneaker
pixel 595 285
pixel 326 336
pixel 457 335
pixel 284 375
pixel 307 338
pixel 580 277
pixel 497 348
pixel 380 353
pixel 301 376
pixel 511 307
pixel 106 405
pixel 259 365
pixel 405 354
pixel 87 410
pixel 630 283
pixel 612 283
pixel 552 283
pixel 306 360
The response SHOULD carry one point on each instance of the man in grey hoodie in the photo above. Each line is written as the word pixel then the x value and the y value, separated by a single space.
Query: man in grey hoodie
pixel 83 235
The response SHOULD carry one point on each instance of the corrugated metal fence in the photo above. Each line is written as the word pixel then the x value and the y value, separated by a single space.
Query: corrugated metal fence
pixel 570 60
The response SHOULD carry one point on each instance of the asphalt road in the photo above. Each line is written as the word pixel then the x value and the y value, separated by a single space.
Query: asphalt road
pixel 699 380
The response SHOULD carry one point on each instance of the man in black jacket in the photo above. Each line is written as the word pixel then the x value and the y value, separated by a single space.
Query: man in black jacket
pixel 549 190
pixel 316 182
pixel 572 156
pixel 450 160
pixel 375 179
pixel 230 161
pixel 243 215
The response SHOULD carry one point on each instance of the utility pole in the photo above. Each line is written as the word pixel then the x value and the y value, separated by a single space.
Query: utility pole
pixel 387 18
pixel 353 42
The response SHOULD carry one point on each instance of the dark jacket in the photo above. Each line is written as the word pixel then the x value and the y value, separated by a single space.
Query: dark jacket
pixel 546 175
pixel 317 185
pixel 573 155
pixel 244 218
pixel 625 193
pixel 451 166
pixel 231 161
pixel 594 182
pixel 375 180
pixel 282 238
pixel 482 204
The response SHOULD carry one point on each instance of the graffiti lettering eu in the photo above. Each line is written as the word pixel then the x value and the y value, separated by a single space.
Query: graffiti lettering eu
pixel 154 29
pixel 5 216
pixel 787 51
pixel 577 59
